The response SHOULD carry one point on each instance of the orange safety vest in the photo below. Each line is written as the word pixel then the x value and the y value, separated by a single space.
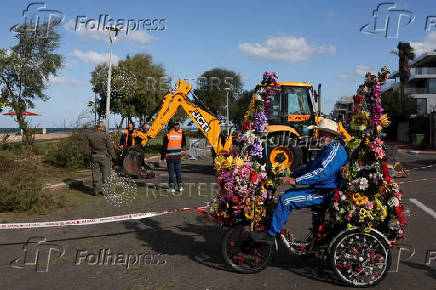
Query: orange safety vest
pixel 174 148
pixel 126 132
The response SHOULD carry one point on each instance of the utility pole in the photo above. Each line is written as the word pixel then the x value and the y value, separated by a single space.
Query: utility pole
pixel 95 109
pixel 109 74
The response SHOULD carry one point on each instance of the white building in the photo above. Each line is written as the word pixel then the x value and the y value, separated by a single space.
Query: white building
pixel 422 83
pixel 343 109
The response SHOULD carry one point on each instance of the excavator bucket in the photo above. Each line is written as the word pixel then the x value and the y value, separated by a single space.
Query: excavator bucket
pixel 132 163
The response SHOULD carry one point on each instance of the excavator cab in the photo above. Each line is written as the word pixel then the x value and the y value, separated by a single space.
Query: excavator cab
pixel 294 110
pixel 294 105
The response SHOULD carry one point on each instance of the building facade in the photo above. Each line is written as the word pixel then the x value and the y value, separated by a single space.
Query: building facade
pixel 343 109
pixel 422 83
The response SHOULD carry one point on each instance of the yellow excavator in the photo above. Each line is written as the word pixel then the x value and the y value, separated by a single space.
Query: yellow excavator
pixel 208 124
pixel 294 110
pixel 179 97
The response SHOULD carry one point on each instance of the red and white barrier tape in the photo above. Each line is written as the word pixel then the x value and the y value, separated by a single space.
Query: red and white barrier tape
pixel 422 167
pixel 81 222
pixel 416 180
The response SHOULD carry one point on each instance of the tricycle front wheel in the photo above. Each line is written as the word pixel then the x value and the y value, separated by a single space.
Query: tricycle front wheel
pixel 243 254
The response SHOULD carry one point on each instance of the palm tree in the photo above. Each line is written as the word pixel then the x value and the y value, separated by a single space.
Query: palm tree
pixel 405 53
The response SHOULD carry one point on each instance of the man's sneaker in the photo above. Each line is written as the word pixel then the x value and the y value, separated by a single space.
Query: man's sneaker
pixel 262 237
pixel 171 190
pixel 180 188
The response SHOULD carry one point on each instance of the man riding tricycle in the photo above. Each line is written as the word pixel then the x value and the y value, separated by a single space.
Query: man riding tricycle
pixel 356 210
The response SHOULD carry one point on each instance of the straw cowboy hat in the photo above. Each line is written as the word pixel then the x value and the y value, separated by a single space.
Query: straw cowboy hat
pixel 328 126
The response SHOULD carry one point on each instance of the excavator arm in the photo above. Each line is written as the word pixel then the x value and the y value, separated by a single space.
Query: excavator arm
pixel 208 124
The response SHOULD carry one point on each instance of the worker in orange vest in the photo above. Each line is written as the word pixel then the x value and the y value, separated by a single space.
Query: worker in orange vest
pixel 181 131
pixel 127 140
pixel 172 152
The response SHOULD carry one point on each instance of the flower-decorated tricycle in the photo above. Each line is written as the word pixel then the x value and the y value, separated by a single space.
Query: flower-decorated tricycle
pixel 353 233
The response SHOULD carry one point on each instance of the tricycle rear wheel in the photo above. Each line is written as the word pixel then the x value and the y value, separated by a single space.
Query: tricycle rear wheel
pixel 360 259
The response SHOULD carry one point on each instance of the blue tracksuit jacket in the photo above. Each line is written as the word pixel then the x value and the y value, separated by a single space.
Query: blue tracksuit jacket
pixel 323 172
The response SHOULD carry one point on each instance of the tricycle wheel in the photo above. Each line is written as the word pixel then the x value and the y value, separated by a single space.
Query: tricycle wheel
pixel 242 253
pixel 360 259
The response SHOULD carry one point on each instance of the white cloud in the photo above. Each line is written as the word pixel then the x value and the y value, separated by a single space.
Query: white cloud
pixel 94 57
pixel 358 73
pixel 428 45
pixel 140 38
pixel 361 70
pixel 58 80
pixel 70 63
pixel 344 77
pixel 285 48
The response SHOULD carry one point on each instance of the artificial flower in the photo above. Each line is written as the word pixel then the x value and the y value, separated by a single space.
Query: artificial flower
pixel 238 161
pixel 359 121
pixel 384 120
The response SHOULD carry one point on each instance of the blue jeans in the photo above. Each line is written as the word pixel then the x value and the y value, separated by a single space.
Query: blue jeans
pixel 294 199
pixel 174 167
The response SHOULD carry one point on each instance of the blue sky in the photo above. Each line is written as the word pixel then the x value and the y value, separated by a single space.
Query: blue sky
pixel 312 41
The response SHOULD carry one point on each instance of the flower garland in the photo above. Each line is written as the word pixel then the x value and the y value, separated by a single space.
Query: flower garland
pixel 371 199
pixel 246 189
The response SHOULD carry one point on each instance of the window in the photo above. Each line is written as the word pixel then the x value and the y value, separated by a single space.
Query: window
pixel 298 100
pixel 432 86
pixel 276 105
pixel 421 106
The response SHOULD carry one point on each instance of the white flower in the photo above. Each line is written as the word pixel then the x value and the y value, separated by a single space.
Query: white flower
pixel 393 202
pixel 363 183
pixel 249 136
pixel 394 224
pixel 258 97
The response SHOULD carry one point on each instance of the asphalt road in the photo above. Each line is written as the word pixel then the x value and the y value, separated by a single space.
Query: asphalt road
pixel 183 251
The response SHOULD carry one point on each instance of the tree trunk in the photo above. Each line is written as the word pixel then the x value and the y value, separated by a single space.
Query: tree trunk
pixel 27 138
pixel 121 124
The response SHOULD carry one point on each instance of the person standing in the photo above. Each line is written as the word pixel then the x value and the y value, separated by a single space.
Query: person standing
pixel 100 150
pixel 181 131
pixel 143 128
pixel 172 152
pixel 127 140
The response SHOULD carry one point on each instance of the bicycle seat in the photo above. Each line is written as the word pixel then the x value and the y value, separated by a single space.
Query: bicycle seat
pixel 319 207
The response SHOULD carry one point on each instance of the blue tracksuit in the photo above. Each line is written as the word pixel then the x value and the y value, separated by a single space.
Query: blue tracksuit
pixel 322 173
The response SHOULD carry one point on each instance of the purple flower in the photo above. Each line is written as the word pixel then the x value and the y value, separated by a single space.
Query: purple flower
pixel 256 148
pixel 260 120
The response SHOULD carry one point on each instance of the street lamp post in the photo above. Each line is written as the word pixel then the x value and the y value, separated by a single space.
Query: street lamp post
pixel 227 118
pixel 109 74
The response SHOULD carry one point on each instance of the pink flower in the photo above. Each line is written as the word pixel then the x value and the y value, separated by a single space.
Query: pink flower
pixel 378 142
pixel 369 205
pixel 245 172
pixel 247 164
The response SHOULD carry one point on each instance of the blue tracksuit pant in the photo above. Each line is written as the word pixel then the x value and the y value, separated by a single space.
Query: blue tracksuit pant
pixel 294 199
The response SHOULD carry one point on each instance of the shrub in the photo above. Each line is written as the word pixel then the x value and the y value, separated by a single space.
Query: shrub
pixel 68 153
pixel 20 184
